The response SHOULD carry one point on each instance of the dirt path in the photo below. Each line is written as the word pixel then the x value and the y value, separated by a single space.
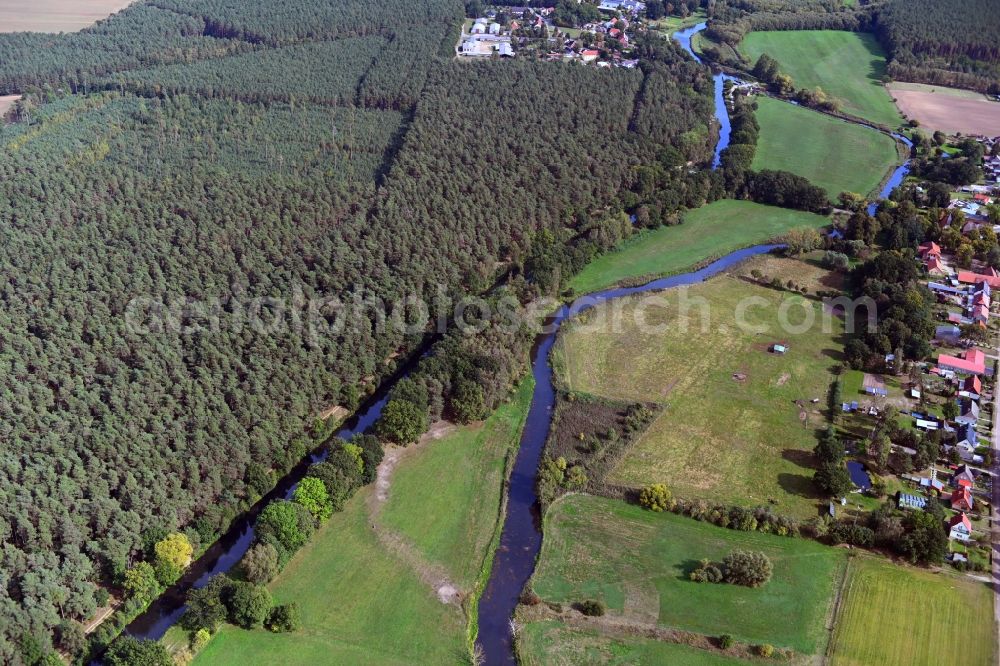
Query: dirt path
pixel 430 573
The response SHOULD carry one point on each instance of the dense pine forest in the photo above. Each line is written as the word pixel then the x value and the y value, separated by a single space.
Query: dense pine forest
pixel 230 153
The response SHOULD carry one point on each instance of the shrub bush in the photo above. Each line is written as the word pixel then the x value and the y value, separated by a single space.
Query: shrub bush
pixel 656 497
pixel 726 641
pixel 747 567
pixel 591 608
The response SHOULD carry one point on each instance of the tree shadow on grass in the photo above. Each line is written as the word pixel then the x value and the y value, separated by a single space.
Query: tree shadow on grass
pixel 799 457
pixel 799 485
pixel 686 568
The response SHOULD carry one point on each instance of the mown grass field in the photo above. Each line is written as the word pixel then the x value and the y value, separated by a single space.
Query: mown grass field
pixel 710 231
pixel 422 507
pixel 832 153
pixel 741 439
pixel 55 15
pixel 550 643
pixel 360 604
pixel 638 563
pixel 895 616
pixel 847 65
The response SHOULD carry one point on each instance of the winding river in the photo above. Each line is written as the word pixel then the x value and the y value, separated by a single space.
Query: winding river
pixel 521 535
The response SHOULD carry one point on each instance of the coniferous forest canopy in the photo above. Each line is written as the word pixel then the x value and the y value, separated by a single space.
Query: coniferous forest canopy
pixel 261 150
pixel 945 42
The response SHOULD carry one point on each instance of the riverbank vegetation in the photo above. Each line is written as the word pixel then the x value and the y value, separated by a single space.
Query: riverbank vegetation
pixel 365 578
pixel 833 154
pixel 706 233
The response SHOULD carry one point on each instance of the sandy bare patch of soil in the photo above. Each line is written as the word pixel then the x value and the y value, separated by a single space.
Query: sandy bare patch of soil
pixel 431 574
pixel 6 102
pixel 948 110
pixel 55 15
pixel 334 410
pixel 783 378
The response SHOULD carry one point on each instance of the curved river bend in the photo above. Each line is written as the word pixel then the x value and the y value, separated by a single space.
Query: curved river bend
pixel 521 538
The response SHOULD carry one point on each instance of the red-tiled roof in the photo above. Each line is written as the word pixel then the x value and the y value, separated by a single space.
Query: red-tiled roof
pixel 973 384
pixel 968 277
pixel 961 364
pixel 961 498
pixel 960 518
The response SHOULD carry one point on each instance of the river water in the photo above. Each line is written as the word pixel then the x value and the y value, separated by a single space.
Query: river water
pixel 225 553
pixel 521 537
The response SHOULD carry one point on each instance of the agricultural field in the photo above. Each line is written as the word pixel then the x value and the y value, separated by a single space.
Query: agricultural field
pixel 806 271
pixel 738 425
pixel 707 232
pixel 637 562
pixel 949 110
pixel 901 616
pixel 551 643
pixel 363 591
pixel 832 153
pixel 848 66
pixel 55 15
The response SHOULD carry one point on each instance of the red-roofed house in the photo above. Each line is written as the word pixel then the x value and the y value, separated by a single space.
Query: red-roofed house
pixel 960 528
pixel 968 277
pixel 972 362
pixel 589 55
pixel 963 478
pixel 935 267
pixel 972 386
pixel 929 249
pixel 981 313
pixel 961 499
pixel 981 198
pixel 614 32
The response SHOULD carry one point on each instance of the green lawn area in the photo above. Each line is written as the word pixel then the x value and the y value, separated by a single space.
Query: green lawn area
pixel 550 643
pixel 360 604
pixel 423 508
pixel 732 430
pixel 832 153
pixel 895 616
pixel 668 25
pixel 847 65
pixel 638 562
pixel 708 232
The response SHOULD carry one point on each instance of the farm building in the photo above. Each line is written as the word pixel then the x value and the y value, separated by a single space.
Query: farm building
pixel 972 362
pixel 960 528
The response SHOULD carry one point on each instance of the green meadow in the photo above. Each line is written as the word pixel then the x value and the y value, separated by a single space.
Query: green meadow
pixel 849 66
pixel 361 604
pixel 707 232
pixel 638 562
pixel 832 153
